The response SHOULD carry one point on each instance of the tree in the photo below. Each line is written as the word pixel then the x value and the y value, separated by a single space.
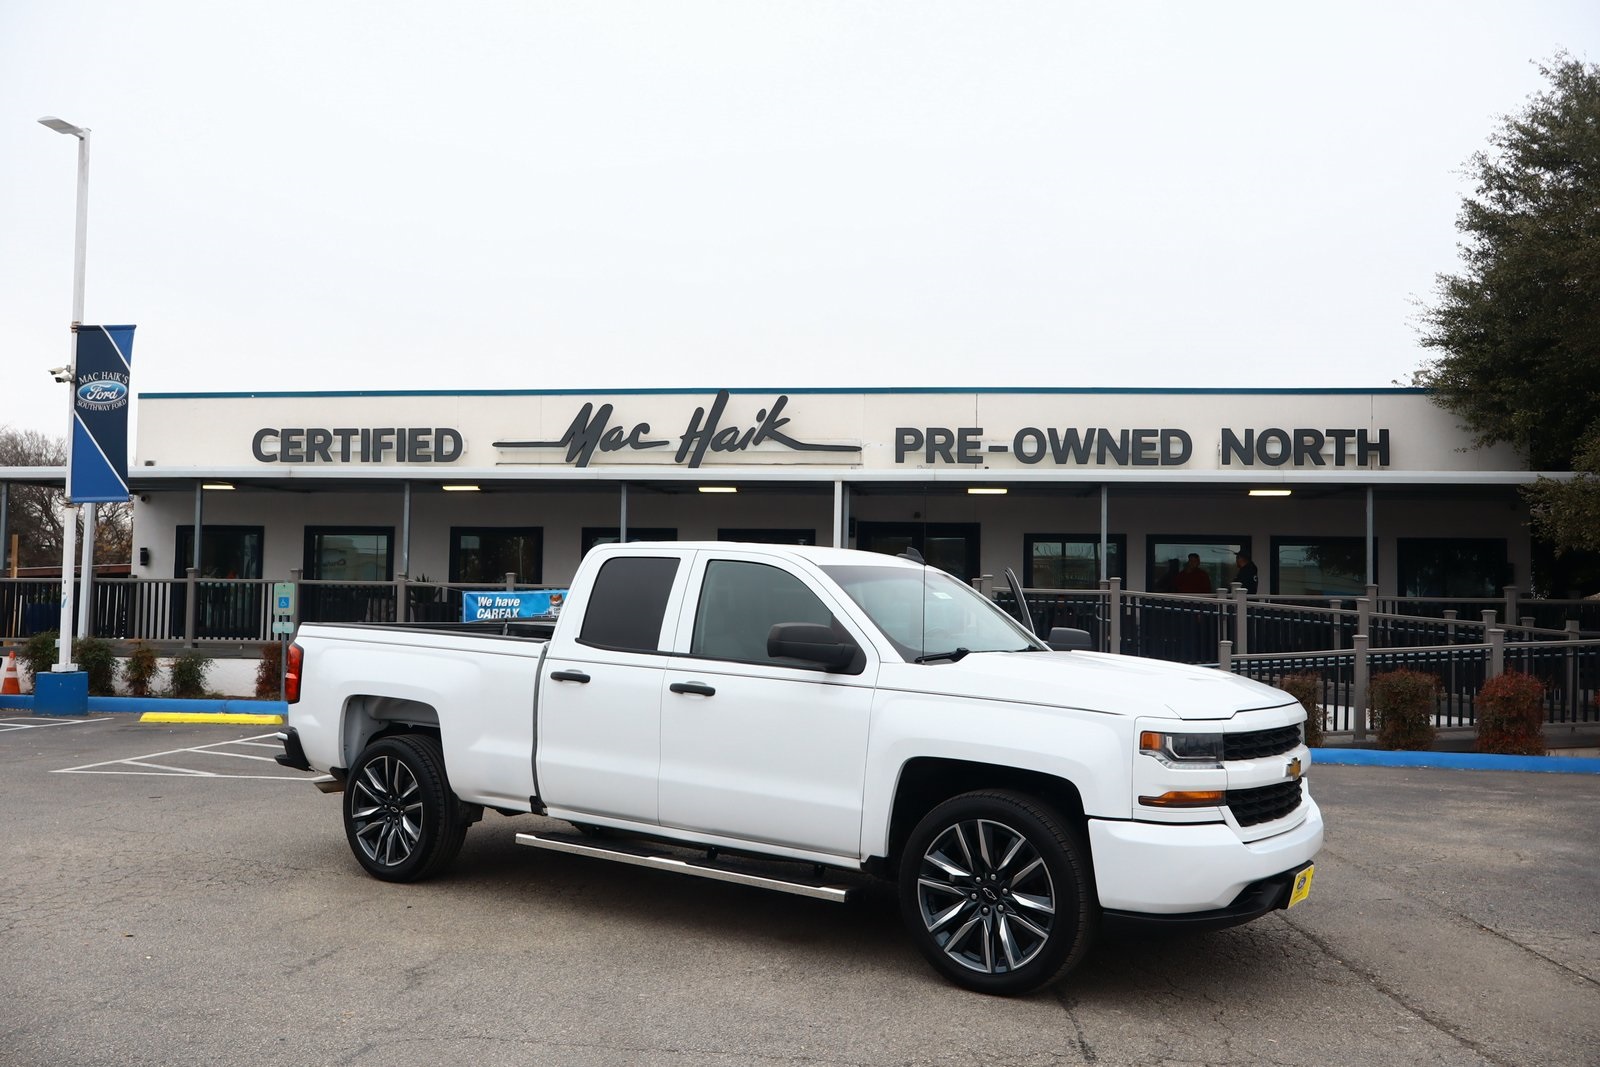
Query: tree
pixel 35 512
pixel 1519 327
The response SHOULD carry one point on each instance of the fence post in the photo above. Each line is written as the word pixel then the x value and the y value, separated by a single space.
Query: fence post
pixel 1488 617
pixel 1511 602
pixel 1225 655
pixel 1497 652
pixel 190 600
pixel 1241 622
pixel 1372 598
pixel 511 580
pixel 295 575
pixel 1114 606
pixel 1364 615
pixel 1360 678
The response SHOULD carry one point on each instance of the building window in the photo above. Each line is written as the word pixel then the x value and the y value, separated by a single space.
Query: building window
pixel 489 553
pixel 225 551
pixel 349 553
pixel 610 535
pixel 950 546
pixel 1319 566
pixel 769 536
pixel 1167 562
pixel 224 609
pixel 1452 566
pixel 628 603
pixel 1072 561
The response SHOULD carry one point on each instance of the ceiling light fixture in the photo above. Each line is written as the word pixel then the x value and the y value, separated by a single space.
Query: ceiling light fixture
pixel 1270 492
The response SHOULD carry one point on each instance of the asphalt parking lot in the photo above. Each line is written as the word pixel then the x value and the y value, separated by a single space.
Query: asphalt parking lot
pixel 168 895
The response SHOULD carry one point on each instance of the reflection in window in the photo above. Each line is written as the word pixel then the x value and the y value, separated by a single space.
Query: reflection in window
pixel 1168 563
pixel 349 554
pixel 1072 561
pixel 489 553
pixel 1321 566
pixel 1452 566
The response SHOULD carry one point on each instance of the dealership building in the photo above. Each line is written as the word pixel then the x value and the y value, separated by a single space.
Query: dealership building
pixel 1325 489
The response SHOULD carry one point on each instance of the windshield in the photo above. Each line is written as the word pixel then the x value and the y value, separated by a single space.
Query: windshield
pixel 931 613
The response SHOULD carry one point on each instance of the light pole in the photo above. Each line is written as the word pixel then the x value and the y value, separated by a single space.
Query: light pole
pixel 69 531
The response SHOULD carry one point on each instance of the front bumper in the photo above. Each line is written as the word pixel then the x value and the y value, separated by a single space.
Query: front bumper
pixel 1165 870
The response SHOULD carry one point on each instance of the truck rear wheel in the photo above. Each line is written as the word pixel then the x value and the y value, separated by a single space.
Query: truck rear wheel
pixel 996 890
pixel 403 822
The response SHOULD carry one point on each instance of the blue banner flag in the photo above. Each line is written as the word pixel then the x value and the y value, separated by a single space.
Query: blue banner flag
pixel 99 471
pixel 530 604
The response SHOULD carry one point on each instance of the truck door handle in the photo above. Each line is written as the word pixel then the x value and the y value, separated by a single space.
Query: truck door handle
pixel 693 687
pixel 568 676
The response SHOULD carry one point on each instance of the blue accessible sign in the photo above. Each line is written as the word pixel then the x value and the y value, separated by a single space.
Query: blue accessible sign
pixel 531 604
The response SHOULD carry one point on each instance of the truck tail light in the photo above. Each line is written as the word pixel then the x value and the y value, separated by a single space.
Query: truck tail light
pixel 291 674
pixel 1185 798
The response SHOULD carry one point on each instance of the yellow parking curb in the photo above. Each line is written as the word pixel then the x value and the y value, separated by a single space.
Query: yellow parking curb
pixel 221 718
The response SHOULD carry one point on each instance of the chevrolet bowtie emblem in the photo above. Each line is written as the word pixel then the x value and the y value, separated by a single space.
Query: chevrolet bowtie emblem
pixel 1294 768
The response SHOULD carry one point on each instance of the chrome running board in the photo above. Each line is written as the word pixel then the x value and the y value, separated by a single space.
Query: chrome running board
pixel 718 870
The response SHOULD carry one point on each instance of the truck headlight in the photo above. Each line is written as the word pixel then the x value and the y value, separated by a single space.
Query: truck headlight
pixel 1189 750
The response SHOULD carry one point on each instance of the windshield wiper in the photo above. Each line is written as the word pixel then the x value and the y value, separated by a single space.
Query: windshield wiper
pixel 955 655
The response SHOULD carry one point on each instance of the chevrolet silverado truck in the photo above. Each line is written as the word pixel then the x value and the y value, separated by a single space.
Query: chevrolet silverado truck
pixel 775 715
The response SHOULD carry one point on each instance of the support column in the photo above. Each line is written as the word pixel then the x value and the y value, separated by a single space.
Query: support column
pixel 1372 554
pixel 622 521
pixel 405 530
pixel 1105 535
pixel 86 573
pixel 5 528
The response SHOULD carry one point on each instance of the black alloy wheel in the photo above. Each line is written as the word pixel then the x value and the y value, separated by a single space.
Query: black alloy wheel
pixel 403 822
pixel 996 890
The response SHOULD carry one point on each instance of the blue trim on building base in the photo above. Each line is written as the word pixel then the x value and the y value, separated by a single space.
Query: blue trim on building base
pixel 142 705
pixel 1456 761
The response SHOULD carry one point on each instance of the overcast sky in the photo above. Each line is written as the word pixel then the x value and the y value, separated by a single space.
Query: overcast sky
pixel 294 195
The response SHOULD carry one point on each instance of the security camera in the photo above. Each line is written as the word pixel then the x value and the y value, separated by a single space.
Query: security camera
pixel 61 374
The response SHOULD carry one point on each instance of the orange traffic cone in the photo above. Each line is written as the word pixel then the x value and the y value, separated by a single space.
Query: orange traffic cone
pixel 12 684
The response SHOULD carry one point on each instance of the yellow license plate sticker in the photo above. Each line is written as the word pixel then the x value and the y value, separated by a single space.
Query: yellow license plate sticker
pixel 1302 884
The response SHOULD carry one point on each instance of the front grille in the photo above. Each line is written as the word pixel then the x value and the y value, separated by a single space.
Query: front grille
pixel 1258 743
pixel 1252 806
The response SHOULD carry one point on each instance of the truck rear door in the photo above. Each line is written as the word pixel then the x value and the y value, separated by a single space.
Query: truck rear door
pixel 599 720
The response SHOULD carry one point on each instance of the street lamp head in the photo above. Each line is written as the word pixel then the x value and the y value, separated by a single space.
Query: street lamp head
pixel 62 126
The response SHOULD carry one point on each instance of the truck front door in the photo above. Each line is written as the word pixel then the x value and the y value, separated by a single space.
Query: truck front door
pixel 753 747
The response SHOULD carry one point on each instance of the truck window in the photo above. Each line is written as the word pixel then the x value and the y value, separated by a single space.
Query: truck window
pixel 628 602
pixel 741 602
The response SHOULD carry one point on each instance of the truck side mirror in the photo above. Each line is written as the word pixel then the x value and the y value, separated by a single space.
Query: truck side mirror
pixel 1067 639
pixel 810 642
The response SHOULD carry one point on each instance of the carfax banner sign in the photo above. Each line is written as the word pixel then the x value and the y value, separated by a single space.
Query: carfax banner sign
pixel 503 604
pixel 99 471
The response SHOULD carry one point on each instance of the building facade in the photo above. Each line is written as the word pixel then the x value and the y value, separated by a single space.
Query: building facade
pixel 1065 486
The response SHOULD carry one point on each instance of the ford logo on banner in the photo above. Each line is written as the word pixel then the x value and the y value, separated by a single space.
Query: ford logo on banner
pixel 103 395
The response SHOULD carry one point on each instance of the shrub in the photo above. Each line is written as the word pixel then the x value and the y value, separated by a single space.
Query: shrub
pixel 1511 715
pixel 140 670
pixel 188 674
pixel 39 654
pixel 98 660
pixel 1307 689
pixel 267 673
pixel 1403 703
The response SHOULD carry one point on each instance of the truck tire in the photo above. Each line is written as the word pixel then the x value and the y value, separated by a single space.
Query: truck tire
pixel 403 822
pixel 996 890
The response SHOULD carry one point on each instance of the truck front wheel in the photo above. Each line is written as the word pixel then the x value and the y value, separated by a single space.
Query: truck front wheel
pixel 996 890
pixel 403 822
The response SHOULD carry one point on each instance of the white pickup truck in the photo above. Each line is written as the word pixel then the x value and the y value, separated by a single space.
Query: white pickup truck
pixel 709 708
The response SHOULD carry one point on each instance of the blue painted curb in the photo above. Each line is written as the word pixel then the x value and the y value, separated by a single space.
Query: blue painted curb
pixel 140 705
pixel 1457 761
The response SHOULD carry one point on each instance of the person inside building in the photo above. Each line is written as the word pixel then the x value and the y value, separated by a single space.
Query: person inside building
pixel 1192 579
pixel 1247 575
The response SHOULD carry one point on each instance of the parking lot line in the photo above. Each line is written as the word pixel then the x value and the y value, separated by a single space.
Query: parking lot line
pixel 33 724
pixel 144 764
